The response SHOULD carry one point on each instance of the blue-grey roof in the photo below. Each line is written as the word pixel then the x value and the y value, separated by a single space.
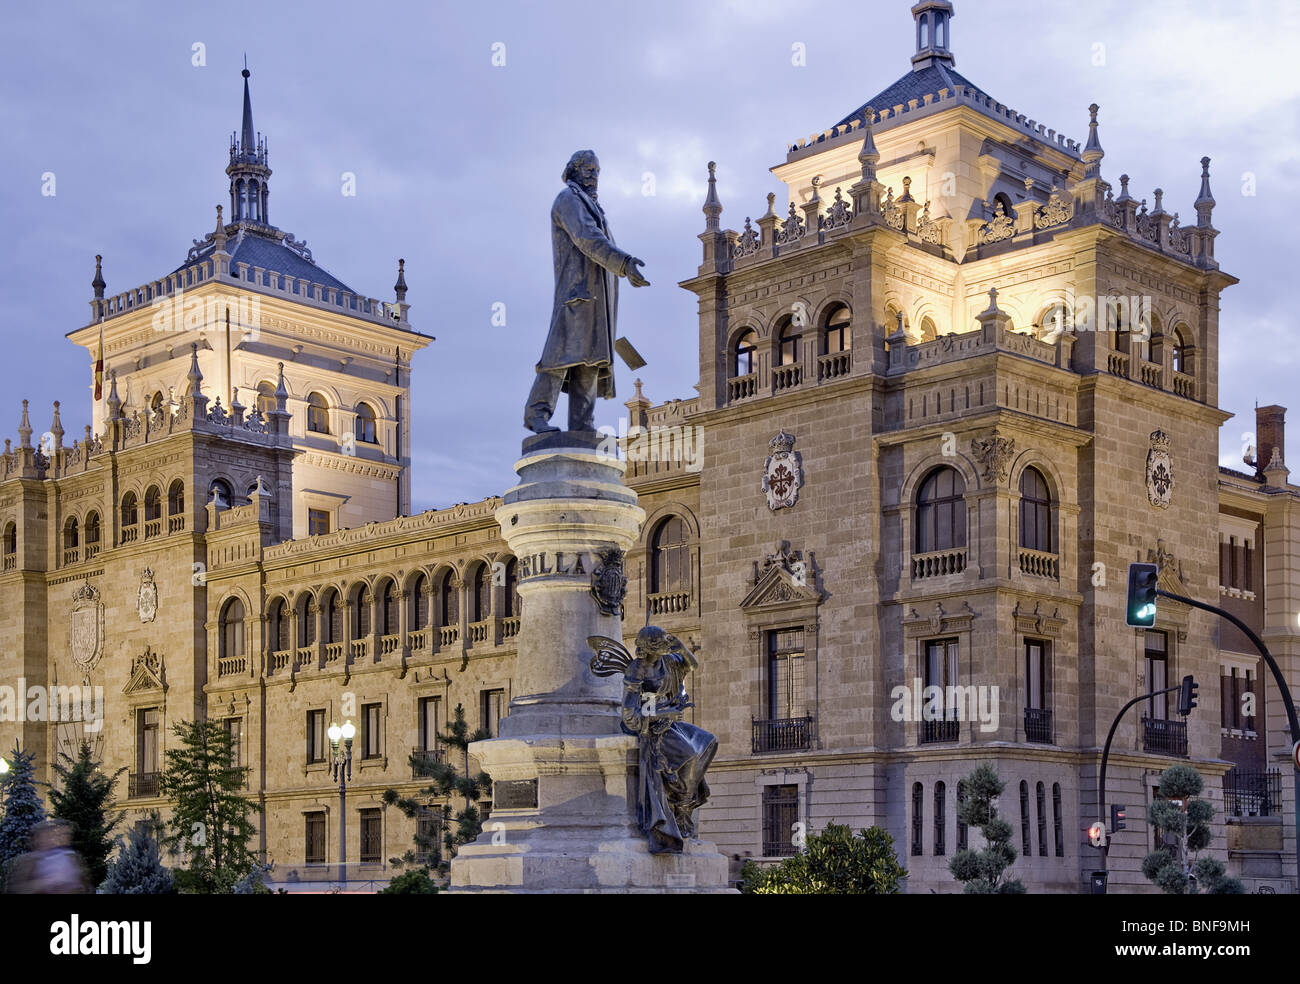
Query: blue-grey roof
pixel 271 254
pixel 913 85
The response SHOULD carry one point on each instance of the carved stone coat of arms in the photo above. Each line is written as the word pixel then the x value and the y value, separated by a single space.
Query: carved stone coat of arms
pixel 782 474
pixel 86 628
pixel 1160 470
pixel 147 600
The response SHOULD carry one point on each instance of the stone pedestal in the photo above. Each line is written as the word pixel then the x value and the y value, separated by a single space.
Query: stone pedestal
pixel 564 775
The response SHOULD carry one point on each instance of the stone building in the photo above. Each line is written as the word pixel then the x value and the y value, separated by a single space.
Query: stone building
pixel 951 385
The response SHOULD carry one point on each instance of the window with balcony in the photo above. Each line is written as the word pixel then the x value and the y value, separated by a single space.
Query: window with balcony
pixel 152 504
pixel 1161 734
pixel 743 356
pixel 670 567
pixel 837 336
pixel 10 547
pixel 92 535
pixel 429 725
pixel 130 510
pixel 939 669
pixel 306 622
pixel 1038 538
pixel 1038 714
pixel 176 498
pixel 278 625
pixel 481 594
pixel 148 753
pixel 386 611
pixel 1181 359
pixel 788 726
pixel 448 601
pixel 940 540
pixel 71 540
pixel 780 815
pixel 314 838
pixel 510 596
pixel 230 630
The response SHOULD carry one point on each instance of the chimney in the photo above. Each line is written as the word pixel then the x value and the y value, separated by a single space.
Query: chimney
pixel 1270 426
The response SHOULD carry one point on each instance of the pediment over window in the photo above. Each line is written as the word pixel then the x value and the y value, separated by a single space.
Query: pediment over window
pixel 939 621
pixel 148 673
pixel 1169 613
pixel 784 579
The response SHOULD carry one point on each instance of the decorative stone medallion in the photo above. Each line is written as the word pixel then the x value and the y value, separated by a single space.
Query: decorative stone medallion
pixel 86 631
pixel 147 600
pixel 1160 470
pixel 609 582
pixel 994 454
pixel 782 473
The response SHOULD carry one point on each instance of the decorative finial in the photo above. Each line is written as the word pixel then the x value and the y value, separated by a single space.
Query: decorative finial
pixel 1123 189
pixel 245 73
pixel 195 377
pixel 868 156
pixel 712 206
pixel 399 288
pixel 98 283
pixel 1205 200
pixel 114 401
pixel 24 429
pixel 771 205
pixel 1092 152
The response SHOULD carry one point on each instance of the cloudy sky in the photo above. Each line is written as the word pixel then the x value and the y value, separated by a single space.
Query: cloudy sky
pixel 457 161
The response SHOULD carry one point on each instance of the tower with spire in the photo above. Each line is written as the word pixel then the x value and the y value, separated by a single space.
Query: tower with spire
pixel 248 170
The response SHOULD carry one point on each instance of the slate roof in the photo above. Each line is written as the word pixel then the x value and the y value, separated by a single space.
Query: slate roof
pixel 271 254
pixel 913 85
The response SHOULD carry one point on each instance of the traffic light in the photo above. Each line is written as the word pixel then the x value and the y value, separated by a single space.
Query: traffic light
pixel 1187 695
pixel 1118 814
pixel 1097 834
pixel 1141 612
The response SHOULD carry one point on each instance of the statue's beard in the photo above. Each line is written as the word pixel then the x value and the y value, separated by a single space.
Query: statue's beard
pixel 589 188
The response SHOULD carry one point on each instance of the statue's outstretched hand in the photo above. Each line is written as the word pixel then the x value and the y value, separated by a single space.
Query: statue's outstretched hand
pixel 634 275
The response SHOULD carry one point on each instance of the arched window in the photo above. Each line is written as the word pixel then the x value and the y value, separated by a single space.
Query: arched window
pixel 1117 322
pixel 419 599
pixel 156 403
pixel 1003 199
pixel 279 626
pixel 963 829
pixel 11 540
pixel 130 510
pixel 940 816
pixel 1026 848
pixel 360 614
pixel 928 331
pixel 92 532
pixel 743 356
pixel 388 610
pixel 941 511
pixel 71 534
pixel 1042 821
pixel 838 335
pixel 1055 322
pixel 1182 361
pixel 788 339
pixel 670 557
pixel 306 622
pixel 333 611
pixel 219 494
pixel 1057 829
pixel 176 498
pixel 318 415
pixel 365 430
pixel 481 601
pixel 1148 337
pixel 1037 523
pixel 231 629
pixel 511 595
pixel 152 504
pixel 265 397
pixel 448 601
pixel 918 819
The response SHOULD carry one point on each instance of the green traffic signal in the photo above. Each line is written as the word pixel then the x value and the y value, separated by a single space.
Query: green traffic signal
pixel 1141 613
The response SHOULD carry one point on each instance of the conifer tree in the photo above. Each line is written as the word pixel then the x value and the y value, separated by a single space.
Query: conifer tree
pixel 82 798
pixel 138 869
pixel 22 807
pixel 983 871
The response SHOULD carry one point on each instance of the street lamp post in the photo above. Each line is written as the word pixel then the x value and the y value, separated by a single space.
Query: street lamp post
pixel 341 769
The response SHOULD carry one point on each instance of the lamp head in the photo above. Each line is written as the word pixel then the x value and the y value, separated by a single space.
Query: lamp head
pixel 335 732
pixel 349 730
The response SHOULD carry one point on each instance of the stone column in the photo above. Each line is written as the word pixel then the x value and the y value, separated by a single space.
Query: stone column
pixel 564 774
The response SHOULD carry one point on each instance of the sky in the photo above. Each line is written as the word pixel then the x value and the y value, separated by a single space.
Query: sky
pixel 456 120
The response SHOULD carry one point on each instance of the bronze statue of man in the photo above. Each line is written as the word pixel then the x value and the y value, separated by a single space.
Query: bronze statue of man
pixel 579 355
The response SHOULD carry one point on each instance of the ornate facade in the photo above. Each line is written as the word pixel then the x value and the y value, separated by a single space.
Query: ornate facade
pixel 1001 381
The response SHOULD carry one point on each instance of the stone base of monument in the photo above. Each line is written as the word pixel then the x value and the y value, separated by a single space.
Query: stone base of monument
pixel 564 775
pixel 563 820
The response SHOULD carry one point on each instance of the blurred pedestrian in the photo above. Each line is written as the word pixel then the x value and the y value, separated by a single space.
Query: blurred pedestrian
pixel 51 867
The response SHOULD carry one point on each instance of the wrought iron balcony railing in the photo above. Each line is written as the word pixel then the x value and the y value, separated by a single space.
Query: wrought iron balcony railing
pixel 1164 737
pixel 783 735
pixel 1038 725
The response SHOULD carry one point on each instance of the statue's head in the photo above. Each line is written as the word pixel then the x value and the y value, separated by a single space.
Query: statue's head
pixel 584 169
pixel 652 641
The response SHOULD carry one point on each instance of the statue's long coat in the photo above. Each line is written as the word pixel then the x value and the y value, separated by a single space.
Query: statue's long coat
pixel 587 268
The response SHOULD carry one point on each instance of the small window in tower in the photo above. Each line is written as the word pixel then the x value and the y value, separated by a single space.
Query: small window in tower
pixel 365 424
pixel 318 522
pixel 318 415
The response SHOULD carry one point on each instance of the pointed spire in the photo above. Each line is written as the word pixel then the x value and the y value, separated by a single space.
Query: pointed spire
pixel 98 283
pixel 219 234
pixel 195 377
pixel 114 401
pixel 1205 200
pixel 247 135
pixel 25 429
pixel 712 206
pixel 399 288
pixel 56 428
pixel 1123 189
pixel 1092 152
pixel 868 156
